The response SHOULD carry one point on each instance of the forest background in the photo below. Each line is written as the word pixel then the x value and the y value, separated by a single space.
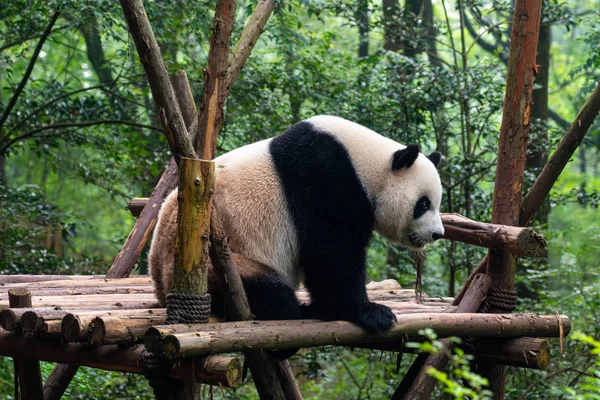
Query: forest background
pixel 79 137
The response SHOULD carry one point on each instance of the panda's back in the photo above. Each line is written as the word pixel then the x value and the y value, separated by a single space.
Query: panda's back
pixel 250 199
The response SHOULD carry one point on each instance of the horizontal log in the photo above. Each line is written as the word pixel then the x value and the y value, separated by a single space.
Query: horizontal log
pixel 525 352
pixel 144 300
pixel 78 281
pixel 272 335
pixel 212 370
pixel 516 240
pixel 6 279
pixel 88 290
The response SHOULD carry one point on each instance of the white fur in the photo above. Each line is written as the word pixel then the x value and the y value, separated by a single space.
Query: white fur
pixel 250 199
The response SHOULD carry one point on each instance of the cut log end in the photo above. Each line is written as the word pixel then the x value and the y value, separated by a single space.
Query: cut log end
pixel 70 327
pixel 8 320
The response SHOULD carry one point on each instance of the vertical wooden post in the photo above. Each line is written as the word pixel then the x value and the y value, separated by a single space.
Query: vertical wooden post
pixel 512 150
pixel 27 372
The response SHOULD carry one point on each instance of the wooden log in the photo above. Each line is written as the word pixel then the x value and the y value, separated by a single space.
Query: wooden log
pixel 525 352
pixel 243 47
pixel 516 240
pixel 80 282
pixel 158 78
pixel 10 279
pixel 27 372
pixel 212 370
pixel 210 117
pixel 72 306
pixel 423 384
pixel 197 179
pixel 512 151
pixel 9 321
pixel 75 291
pixel 34 324
pixel 411 375
pixel 522 353
pixel 58 381
pixel 272 335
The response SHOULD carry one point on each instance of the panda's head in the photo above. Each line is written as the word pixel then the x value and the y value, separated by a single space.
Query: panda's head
pixel 408 206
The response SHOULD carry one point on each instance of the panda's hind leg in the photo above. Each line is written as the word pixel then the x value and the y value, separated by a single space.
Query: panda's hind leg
pixel 270 295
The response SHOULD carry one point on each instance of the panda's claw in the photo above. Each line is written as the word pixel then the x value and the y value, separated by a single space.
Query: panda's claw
pixel 375 318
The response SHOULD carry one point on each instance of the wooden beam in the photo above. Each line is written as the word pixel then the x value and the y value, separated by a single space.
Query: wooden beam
pixel 213 370
pixel 27 372
pixel 246 335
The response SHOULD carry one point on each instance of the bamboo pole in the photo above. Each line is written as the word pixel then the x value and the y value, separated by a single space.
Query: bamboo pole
pixel 28 376
pixel 512 150
pixel 273 335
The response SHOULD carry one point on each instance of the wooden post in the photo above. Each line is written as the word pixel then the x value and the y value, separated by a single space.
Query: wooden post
pixel 512 150
pixel 27 372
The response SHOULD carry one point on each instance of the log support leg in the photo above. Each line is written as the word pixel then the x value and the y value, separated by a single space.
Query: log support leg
pixel 28 377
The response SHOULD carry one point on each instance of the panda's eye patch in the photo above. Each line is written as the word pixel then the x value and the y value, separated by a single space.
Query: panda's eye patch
pixel 421 207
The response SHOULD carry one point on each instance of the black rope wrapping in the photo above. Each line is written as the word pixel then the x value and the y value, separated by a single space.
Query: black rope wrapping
pixel 181 309
pixel 501 299
pixel 185 308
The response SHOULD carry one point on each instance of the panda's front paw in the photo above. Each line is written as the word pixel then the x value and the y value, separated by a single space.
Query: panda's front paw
pixel 375 318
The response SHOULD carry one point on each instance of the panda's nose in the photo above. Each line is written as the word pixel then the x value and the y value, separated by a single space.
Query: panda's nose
pixel 436 236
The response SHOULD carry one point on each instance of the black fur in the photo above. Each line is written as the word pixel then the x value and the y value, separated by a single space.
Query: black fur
pixel 435 158
pixel 334 219
pixel 406 157
pixel 272 298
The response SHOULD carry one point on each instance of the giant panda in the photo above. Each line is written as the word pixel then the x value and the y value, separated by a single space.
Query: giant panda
pixel 302 207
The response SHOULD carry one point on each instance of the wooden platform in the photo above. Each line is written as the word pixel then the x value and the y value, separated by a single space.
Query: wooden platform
pixel 104 323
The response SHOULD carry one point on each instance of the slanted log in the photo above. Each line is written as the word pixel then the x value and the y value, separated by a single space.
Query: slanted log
pixel 273 335
pixel 273 379
pixel 212 370
pixel 559 159
pixel 27 371
pixel 423 384
pixel 58 381
pixel 516 240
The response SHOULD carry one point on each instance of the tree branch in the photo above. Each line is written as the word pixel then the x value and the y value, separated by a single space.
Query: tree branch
pixel 34 57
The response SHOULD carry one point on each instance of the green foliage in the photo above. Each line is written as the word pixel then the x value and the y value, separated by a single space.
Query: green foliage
pixel 459 381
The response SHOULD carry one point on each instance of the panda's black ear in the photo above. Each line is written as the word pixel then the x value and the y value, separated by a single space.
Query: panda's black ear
pixel 435 158
pixel 405 158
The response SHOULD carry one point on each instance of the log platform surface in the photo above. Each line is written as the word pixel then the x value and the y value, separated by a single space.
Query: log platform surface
pixel 85 314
